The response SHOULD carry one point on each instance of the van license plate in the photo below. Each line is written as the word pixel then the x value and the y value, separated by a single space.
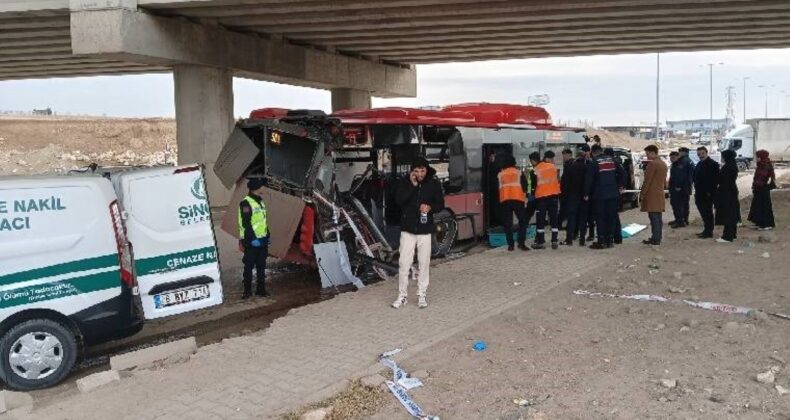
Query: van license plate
pixel 181 296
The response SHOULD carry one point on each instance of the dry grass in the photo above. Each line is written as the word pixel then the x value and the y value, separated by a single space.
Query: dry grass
pixel 355 402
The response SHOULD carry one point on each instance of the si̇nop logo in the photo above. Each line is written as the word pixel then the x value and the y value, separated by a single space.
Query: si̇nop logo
pixel 198 189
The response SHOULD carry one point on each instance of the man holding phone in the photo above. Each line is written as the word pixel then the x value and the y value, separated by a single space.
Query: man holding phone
pixel 419 197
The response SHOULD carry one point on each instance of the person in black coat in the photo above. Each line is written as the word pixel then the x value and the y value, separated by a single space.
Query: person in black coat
pixel 706 181
pixel 419 197
pixel 573 194
pixel 681 180
pixel 727 208
pixel 567 161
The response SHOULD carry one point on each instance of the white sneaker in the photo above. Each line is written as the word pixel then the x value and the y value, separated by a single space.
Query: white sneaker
pixel 422 302
pixel 765 229
pixel 399 302
pixel 723 241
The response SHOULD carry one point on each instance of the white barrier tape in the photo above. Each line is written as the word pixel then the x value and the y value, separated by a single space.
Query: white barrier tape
pixel 411 406
pixel 390 353
pixel 651 298
pixel 400 376
pixel 711 306
pixel 719 307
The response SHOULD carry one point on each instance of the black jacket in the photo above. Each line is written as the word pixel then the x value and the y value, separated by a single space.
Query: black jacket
pixel 681 175
pixel 706 177
pixel 726 199
pixel 246 216
pixel 566 165
pixel 410 197
pixel 574 176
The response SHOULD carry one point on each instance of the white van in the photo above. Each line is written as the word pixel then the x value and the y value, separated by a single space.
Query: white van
pixel 68 278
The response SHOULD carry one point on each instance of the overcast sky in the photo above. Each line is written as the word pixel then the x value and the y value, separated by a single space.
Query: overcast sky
pixel 606 90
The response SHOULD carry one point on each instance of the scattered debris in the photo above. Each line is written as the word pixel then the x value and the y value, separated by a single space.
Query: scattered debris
pixel 782 390
pixel 411 406
pixel 401 383
pixel 766 377
pixel 479 346
pixel 521 402
pixel 778 359
pixel 654 266
pixel 669 383
pixel 673 289
pixel 719 307
pixel 517 283
pixel 684 329
pixel 388 354
pixel 766 255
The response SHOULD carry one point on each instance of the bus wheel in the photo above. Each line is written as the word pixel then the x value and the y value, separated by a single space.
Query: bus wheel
pixel 37 353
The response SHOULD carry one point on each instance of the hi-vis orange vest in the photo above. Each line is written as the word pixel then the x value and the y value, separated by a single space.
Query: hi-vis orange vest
pixel 548 180
pixel 510 185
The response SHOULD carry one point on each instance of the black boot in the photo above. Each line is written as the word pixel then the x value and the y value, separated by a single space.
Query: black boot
pixel 247 289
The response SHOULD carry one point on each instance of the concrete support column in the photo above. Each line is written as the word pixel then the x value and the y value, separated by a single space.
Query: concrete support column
pixel 345 98
pixel 204 120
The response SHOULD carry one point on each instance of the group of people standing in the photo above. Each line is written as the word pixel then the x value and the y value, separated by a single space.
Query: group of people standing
pixel 715 192
pixel 587 196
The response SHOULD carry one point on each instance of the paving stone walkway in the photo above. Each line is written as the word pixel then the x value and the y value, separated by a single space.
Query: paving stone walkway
pixel 307 355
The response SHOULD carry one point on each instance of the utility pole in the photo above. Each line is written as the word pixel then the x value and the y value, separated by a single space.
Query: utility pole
pixel 766 87
pixel 744 98
pixel 710 70
pixel 658 92
pixel 730 107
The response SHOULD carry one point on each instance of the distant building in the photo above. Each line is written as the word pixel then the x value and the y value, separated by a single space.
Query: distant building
pixel 717 126
pixel 638 131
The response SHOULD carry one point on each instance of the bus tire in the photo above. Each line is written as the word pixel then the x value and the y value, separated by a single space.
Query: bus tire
pixel 37 353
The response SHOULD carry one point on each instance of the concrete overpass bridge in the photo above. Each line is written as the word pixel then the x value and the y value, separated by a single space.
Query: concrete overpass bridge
pixel 355 48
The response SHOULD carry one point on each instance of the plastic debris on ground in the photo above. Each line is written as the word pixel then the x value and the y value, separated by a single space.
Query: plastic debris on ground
pixel 521 402
pixel 479 346
pixel 632 229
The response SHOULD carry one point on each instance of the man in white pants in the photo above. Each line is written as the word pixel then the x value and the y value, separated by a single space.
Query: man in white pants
pixel 419 196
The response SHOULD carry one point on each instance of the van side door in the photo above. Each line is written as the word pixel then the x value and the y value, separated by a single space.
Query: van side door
pixel 168 221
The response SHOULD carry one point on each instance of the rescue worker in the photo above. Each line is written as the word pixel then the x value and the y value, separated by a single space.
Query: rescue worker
pixel 567 161
pixel 512 199
pixel 419 197
pixel 681 179
pixel 602 187
pixel 254 238
pixel 547 194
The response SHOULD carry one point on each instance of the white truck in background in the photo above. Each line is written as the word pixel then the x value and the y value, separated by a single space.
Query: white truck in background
pixel 84 259
pixel 771 134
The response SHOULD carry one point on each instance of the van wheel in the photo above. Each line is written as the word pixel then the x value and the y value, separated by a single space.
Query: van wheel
pixel 36 354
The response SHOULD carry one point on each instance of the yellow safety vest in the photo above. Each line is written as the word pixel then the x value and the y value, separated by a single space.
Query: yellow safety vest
pixel 258 219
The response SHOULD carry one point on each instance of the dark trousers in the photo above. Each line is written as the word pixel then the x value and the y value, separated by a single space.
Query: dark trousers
pixel 255 258
pixel 730 230
pixel 509 208
pixel 562 216
pixel 585 220
pixel 680 205
pixel 606 213
pixel 573 212
pixel 548 206
pixel 705 207
pixel 617 230
pixel 656 226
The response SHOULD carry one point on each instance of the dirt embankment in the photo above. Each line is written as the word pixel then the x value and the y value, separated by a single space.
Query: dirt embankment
pixel 54 145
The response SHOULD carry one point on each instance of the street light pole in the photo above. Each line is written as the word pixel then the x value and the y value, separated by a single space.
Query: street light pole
pixel 710 69
pixel 658 90
pixel 744 98
pixel 766 97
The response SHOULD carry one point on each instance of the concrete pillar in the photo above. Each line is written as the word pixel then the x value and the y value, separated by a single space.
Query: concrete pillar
pixel 345 98
pixel 204 120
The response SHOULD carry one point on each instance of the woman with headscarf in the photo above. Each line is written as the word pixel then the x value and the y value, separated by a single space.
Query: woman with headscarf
pixel 762 212
pixel 727 208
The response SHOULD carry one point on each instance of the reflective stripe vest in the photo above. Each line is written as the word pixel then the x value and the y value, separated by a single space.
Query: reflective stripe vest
pixel 510 185
pixel 257 219
pixel 548 180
